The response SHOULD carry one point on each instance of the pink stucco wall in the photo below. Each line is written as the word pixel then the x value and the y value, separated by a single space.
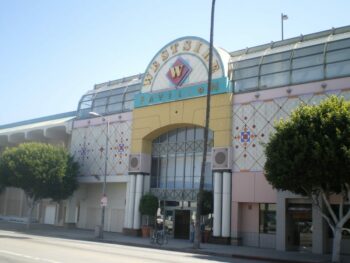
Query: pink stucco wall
pixel 249 218
pixel 252 187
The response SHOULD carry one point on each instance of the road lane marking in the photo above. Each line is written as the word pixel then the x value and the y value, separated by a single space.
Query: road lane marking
pixel 28 257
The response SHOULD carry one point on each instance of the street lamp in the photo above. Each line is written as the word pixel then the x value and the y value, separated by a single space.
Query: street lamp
pixel 99 228
pixel 283 17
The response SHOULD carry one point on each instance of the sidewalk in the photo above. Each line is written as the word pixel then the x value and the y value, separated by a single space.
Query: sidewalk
pixel 270 255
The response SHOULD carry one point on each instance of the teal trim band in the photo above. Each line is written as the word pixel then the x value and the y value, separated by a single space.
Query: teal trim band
pixel 219 85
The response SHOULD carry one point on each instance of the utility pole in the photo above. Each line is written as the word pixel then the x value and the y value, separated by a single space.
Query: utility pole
pixel 197 240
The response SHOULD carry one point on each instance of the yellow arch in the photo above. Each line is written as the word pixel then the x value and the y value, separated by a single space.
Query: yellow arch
pixel 152 121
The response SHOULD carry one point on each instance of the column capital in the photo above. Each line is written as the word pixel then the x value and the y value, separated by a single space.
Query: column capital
pixel 221 159
pixel 139 163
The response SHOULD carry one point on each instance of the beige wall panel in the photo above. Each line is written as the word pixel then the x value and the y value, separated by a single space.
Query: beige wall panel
pixel 222 138
pixel 152 121
pixel 14 197
pixel 92 217
pixel 90 210
pixel 117 220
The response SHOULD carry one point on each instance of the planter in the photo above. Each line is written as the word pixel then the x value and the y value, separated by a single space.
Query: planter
pixel 206 235
pixel 146 231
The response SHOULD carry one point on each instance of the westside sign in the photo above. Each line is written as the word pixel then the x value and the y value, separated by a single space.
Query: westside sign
pixel 182 63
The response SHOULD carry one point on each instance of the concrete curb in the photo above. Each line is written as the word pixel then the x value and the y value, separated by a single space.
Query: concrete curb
pixel 208 253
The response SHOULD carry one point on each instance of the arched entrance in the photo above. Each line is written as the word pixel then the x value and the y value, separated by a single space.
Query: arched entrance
pixel 175 175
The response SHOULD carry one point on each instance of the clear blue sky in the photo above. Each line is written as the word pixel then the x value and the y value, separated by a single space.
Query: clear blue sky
pixel 53 51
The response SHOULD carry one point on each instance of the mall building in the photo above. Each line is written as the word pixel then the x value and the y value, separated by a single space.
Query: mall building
pixel 147 136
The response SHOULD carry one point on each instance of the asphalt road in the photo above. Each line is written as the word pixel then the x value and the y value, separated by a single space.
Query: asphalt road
pixel 22 248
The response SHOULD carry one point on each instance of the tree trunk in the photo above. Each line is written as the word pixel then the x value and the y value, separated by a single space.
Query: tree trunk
pixel 30 213
pixel 197 240
pixel 31 203
pixel 336 244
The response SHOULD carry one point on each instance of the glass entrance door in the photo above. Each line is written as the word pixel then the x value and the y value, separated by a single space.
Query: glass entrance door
pixel 300 226
pixel 182 224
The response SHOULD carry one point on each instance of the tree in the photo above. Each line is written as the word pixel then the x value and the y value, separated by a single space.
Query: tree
pixel 148 205
pixel 207 202
pixel 40 170
pixel 310 155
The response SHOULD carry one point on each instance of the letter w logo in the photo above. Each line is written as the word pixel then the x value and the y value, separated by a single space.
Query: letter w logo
pixel 176 71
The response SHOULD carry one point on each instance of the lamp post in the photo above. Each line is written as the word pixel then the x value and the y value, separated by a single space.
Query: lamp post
pixel 283 17
pixel 99 230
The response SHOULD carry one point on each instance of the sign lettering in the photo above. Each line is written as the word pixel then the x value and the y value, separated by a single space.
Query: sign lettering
pixel 187 45
pixel 182 63
pixel 165 55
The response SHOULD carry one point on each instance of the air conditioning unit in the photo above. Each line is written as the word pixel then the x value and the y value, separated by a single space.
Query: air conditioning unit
pixel 221 158
pixel 139 163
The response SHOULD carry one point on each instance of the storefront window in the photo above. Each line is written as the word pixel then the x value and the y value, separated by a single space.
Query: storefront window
pixel 268 218
pixel 301 65
pixel 177 157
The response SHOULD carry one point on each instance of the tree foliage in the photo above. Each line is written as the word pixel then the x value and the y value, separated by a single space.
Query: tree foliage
pixel 207 202
pixel 310 155
pixel 41 170
pixel 148 205
pixel 311 150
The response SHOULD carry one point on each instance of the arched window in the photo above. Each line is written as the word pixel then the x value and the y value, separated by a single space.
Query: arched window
pixel 177 157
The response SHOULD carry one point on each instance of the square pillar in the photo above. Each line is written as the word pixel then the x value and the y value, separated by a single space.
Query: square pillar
pixel 281 243
pixel 319 231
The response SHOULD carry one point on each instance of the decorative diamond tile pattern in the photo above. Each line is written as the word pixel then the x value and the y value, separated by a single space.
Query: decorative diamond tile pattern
pixel 253 124
pixel 173 194
pixel 89 148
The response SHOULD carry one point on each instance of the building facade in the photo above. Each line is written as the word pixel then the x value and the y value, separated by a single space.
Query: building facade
pixel 146 135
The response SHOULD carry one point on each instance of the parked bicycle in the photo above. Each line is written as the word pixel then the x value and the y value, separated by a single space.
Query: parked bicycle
pixel 159 237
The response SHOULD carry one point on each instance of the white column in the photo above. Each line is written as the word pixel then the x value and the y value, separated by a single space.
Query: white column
pixel 226 205
pixel 146 183
pixel 138 194
pixel 217 204
pixel 127 201
pixel 132 182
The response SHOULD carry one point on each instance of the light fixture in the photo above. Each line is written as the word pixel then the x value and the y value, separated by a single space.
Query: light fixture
pixel 95 114
pixel 283 17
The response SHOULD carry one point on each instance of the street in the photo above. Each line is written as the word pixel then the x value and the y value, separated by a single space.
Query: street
pixel 22 248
